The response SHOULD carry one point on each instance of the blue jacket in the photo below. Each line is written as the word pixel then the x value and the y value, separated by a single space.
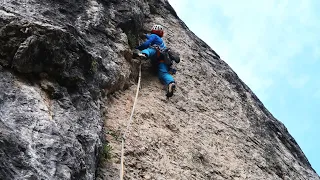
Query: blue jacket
pixel 152 39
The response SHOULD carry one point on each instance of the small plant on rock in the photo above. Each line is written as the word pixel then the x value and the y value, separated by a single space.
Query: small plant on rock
pixel 107 152
pixel 94 66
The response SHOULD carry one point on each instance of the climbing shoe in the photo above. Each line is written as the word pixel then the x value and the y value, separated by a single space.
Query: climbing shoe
pixel 170 89
pixel 138 54
pixel 142 55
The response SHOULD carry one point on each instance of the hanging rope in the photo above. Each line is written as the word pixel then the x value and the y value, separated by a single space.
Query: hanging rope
pixel 128 126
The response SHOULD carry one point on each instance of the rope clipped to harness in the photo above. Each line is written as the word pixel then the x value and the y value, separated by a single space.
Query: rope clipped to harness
pixel 128 126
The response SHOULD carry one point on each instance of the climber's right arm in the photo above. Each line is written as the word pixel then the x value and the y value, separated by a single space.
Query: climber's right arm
pixel 147 43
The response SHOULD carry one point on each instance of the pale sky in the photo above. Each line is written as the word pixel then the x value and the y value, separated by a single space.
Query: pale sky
pixel 274 47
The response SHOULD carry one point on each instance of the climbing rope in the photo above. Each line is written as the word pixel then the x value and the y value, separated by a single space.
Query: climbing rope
pixel 128 126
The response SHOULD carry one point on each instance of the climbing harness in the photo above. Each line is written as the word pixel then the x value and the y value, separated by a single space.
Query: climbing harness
pixel 166 55
pixel 162 55
pixel 128 126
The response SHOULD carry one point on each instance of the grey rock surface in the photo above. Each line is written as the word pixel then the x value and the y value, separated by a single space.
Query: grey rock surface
pixel 213 128
pixel 66 70
pixel 57 60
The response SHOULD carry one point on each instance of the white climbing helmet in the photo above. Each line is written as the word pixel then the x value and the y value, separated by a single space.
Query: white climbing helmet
pixel 157 29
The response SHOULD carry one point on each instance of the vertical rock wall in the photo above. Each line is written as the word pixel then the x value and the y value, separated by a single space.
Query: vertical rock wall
pixel 62 65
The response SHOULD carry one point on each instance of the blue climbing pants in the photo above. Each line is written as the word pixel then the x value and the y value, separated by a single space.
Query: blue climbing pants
pixel 150 52
pixel 163 69
pixel 164 75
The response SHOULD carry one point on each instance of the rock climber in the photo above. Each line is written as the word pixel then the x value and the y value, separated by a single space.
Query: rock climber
pixel 153 49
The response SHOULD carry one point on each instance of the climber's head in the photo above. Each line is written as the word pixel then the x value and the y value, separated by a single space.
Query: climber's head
pixel 157 29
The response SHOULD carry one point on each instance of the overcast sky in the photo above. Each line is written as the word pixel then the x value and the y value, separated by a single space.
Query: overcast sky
pixel 274 47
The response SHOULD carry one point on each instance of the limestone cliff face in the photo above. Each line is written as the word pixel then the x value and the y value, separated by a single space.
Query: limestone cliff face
pixel 67 81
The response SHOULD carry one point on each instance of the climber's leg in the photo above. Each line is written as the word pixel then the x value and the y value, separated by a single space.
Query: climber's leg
pixel 163 74
pixel 149 52
pixel 166 78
